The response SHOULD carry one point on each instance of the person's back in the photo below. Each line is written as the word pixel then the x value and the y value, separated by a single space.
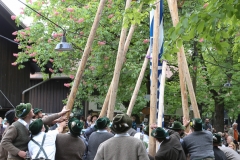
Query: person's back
pixel 69 147
pixel 199 144
pixel 121 148
pixel 171 149
pixel 48 146
pixel 230 153
pixel 94 141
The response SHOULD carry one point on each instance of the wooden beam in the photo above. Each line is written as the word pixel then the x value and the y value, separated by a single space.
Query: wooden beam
pixel 172 4
pixel 138 85
pixel 85 55
pixel 118 67
pixel 154 77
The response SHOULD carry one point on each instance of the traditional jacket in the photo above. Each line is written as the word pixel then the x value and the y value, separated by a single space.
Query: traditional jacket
pixel 122 148
pixel 69 147
pixel 3 152
pixel 171 149
pixel 94 141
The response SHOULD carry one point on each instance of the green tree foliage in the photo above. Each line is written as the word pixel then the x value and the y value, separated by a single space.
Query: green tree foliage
pixel 37 43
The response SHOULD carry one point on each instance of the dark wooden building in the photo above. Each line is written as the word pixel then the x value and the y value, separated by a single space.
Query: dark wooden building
pixel 18 86
pixel 48 95
pixel 12 80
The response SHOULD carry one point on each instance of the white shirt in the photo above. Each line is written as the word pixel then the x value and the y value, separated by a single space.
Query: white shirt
pixel 24 122
pixel 49 145
pixel 145 138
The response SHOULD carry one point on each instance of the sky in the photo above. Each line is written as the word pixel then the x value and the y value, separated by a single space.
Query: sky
pixel 14 6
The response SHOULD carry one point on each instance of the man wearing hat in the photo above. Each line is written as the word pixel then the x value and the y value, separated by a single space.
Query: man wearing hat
pixel 37 113
pixel 16 139
pixel 170 146
pixel 199 144
pixel 10 116
pixel 45 140
pixel 69 146
pixel 179 128
pixel 96 138
pixel 122 145
pixel 218 154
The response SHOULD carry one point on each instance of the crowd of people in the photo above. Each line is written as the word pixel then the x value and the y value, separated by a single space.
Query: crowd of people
pixel 27 133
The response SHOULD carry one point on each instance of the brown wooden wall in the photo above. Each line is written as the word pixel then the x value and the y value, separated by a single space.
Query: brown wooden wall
pixel 49 95
pixel 12 80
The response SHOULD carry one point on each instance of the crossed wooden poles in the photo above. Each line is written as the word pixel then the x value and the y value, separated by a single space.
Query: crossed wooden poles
pixel 109 103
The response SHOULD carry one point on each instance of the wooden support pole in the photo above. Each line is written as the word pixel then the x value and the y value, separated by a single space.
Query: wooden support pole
pixel 154 77
pixel 118 67
pixel 126 46
pixel 85 55
pixel 172 4
pixel 138 85
pixel 161 94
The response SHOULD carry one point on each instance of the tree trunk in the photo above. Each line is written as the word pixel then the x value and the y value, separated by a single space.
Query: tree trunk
pixel 219 114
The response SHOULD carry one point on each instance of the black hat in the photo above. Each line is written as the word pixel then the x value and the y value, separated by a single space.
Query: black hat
pixel 10 115
pixel 197 124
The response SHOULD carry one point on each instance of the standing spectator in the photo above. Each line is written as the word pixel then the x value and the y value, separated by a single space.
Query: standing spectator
pixel 218 153
pixel 207 125
pixel 233 131
pixel 170 147
pixel 134 124
pixel 72 140
pixel 229 140
pixel 199 144
pixel 144 136
pixel 232 145
pixel 98 137
pixel 170 123
pixel 122 146
pixel 88 121
pixel 91 129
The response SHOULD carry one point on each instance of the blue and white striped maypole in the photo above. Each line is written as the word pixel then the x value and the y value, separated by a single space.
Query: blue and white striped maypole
pixel 160 49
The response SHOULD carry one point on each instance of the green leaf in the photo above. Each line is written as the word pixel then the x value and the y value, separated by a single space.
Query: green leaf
pixel 200 27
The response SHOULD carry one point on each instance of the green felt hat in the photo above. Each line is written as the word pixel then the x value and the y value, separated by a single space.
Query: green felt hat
pixel 121 123
pixel 177 126
pixel 159 133
pixel 36 126
pixel 197 124
pixel 36 110
pixel 23 109
pixel 217 138
pixel 75 126
pixel 102 123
